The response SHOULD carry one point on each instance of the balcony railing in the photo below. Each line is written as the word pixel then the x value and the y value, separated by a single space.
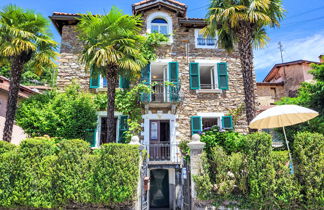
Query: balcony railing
pixel 163 93
pixel 206 41
pixel 207 86
pixel 163 152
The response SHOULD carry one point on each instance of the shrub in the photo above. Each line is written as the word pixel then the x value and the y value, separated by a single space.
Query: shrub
pixel 308 156
pixel 58 114
pixel 72 174
pixel 231 141
pixel 287 190
pixel 261 172
pixel 6 147
pixel 41 173
pixel 116 186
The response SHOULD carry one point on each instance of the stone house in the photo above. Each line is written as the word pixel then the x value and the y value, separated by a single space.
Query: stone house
pixel 283 80
pixel 208 83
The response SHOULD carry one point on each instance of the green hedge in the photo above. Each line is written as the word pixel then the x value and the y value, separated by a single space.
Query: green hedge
pixel 44 174
pixel 308 157
pixel 259 178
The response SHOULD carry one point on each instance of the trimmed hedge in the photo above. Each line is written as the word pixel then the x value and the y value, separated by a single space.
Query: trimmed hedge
pixel 259 178
pixel 308 155
pixel 41 173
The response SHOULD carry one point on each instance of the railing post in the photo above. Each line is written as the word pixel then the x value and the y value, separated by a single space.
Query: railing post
pixel 138 203
pixel 196 148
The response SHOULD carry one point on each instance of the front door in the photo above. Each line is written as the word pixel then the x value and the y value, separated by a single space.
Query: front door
pixel 159 189
pixel 159 140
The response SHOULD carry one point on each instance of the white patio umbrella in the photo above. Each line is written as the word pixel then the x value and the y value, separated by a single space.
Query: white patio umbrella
pixel 282 116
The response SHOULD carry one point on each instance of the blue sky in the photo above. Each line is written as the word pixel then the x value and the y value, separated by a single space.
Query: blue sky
pixel 301 32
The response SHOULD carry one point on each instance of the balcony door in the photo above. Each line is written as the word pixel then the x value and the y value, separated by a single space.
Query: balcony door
pixel 159 140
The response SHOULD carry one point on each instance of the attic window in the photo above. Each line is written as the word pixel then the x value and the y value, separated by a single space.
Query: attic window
pixel 159 25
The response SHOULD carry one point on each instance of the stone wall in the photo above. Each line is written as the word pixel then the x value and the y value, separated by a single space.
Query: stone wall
pixel 192 103
pixel 266 96
pixel 70 69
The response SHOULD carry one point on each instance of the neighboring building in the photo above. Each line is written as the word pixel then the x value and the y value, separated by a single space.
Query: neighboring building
pixel 24 92
pixel 208 83
pixel 18 134
pixel 283 80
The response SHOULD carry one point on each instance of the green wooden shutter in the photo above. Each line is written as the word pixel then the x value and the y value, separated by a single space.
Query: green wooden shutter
pixel 222 76
pixel 90 136
pixel 194 76
pixel 146 79
pixel 123 127
pixel 227 122
pixel 94 80
pixel 123 82
pixel 174 78
pixel 196 124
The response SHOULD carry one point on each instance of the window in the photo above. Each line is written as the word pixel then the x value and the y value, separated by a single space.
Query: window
pixel 210 122
pixel 160 22
pixel 204 42
pixel 273 92
pixel 212 76
pixel 159 25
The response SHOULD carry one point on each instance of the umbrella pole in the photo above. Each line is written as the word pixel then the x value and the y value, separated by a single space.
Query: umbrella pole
pixel 290 158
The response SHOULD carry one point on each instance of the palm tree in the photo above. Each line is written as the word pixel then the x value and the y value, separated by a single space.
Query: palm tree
pixel 24 39
pixel 112 44
pixel 242 23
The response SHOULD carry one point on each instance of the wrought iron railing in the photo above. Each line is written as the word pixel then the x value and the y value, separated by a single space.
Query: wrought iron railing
pixel 206 41
pixel 207 86
pixel 165 93
pixel 163 152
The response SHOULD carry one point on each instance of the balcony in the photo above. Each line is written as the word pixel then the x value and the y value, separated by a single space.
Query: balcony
pixel 163 153
pixel 163 93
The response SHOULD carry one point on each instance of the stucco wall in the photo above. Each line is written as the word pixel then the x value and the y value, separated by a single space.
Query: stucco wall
pixel 3 103
pixel 293 75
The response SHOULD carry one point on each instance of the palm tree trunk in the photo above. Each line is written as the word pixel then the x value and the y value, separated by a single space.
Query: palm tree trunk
pixel 246 58
pixel 17 67
pixel 112 80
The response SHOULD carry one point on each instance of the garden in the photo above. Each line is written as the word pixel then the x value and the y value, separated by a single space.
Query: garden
pixel 245 171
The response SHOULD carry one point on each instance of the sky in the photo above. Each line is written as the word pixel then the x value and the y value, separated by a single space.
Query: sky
pixel 301 32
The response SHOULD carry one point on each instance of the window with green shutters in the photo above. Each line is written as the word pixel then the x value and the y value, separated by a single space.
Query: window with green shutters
pixel 146 78
pixel 227 122
pixel 194 76
pixel 222 76
pixel 123 82
pixel 94 80
pixel 174 78
pixel 90 136
pixel 196 125
pixel 123 127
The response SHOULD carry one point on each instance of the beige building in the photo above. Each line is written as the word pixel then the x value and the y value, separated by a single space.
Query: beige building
pixel 283 80
pixel 207 84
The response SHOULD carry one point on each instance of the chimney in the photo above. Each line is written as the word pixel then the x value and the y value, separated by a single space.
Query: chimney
pixel 321 58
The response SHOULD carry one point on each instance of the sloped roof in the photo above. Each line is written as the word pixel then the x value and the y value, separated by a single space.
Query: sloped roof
pixel 276 68
pixel 24 91
pixel 176 6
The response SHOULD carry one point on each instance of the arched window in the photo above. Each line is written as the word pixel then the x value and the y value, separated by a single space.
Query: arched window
pixel 159 25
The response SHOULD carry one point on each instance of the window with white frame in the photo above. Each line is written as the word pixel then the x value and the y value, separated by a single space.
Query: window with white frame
pixel 208 76
pixel 160 22
pixel 159 25
pixel 204 42
pixel 209 122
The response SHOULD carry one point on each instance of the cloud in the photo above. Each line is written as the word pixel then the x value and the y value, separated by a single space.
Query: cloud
pixel 308 48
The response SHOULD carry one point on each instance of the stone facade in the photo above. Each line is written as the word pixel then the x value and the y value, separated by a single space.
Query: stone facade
pixel 269 93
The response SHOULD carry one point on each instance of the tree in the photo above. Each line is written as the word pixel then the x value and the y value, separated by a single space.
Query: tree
pixel 112 44
pixel 310 95
pixel 24 40
pixel 243 23
pixel 67 114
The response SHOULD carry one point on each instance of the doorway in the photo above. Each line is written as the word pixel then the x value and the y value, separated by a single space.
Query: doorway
pixel 159 189
pixel 159 140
